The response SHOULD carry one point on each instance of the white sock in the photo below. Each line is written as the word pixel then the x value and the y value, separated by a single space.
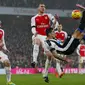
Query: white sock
pixel 35 52
pixel 45 73
pixel 8 73
pixel 58 68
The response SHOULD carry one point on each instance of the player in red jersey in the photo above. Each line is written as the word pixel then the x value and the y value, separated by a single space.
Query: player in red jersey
pixel 39 24
pixel 81 53
pixel 60 34
pixel 4 58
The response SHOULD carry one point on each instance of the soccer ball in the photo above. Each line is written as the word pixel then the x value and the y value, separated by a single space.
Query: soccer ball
pixel 76 14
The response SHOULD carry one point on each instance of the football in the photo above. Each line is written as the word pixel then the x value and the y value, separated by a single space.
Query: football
pixel 76 14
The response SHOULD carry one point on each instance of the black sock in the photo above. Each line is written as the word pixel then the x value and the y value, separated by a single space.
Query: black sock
pixel 82 26
pixel 83 17
pixel 82 22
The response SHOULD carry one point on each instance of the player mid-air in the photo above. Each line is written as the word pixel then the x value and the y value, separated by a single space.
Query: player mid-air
pixel 71 42
pixel 69 45
pixel 39 24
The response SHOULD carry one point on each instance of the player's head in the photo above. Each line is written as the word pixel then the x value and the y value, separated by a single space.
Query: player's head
pixel 50 33
pixel 59 27
pixel 41 8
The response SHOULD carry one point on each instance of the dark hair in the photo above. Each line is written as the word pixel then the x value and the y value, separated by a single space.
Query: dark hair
pixel 60 23
pixel 49 30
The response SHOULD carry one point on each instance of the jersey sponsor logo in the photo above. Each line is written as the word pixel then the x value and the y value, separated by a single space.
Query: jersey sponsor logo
pixel 42 26
pixel 83 50
pixel 37 20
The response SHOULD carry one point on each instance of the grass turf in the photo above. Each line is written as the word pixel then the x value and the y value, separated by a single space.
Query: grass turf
pixel 36 79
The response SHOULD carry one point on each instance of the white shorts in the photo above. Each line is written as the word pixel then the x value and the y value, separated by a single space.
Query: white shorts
pixel 40 37
pixel 82 59
pixel 3 57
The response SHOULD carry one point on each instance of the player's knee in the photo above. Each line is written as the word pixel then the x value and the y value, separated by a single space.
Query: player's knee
pixel 77 34
pixel 37 41
pixel 49 55
pixel 36 48
pixel 6 63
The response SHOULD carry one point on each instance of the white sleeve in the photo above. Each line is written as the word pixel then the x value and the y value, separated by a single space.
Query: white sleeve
pixel 66 35
pixel 78 49
pixel 33 30
pixel 33 25
pixel 56 25
pixel 52 18
pixel 4 47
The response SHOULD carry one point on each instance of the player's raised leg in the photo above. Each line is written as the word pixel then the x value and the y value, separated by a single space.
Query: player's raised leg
pixel 78 33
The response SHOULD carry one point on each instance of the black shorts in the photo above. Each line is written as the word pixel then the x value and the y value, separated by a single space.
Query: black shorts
pixel 72 47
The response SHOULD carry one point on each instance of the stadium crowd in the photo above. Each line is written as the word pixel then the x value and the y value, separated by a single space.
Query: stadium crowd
pixel 34 3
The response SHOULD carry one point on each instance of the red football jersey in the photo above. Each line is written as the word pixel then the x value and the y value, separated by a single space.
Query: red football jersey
pixel 1 33
pixel 41 23
pixel 82 50
pixel 61 35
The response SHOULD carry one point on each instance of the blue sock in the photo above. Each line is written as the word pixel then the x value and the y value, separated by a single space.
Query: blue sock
pixel 80 30
pixel 84 37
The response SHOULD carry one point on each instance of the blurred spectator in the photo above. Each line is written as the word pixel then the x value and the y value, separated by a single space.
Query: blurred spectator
pixel 53 4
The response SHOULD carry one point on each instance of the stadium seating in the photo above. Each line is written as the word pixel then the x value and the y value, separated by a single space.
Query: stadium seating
pixel 55 4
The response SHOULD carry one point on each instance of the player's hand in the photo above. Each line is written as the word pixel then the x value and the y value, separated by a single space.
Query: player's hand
pixel 1 46
pixel 6 51
pixel 35 34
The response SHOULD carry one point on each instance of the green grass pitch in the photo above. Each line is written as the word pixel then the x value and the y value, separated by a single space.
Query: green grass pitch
pixel 36 79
